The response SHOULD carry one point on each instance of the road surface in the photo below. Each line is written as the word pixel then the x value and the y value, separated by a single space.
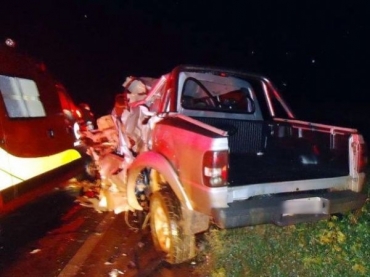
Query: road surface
pixel 56 236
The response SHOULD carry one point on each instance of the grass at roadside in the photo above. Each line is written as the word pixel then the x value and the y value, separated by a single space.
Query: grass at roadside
pixel 335 247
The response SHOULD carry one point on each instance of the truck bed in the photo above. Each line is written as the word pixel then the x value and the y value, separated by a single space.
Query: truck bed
pixel 259 155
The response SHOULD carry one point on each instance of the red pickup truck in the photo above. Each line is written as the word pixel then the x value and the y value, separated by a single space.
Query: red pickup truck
pixel 223 146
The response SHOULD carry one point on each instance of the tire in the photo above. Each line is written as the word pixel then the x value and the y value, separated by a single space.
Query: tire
pixel 90 172
pixel 91 169
pixel 142 193
pixel 168 229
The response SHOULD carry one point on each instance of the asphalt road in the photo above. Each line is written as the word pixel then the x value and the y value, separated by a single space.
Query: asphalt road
pixel 56 236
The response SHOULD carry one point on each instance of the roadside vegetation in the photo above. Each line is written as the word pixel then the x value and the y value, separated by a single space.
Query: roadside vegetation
pixel 339 246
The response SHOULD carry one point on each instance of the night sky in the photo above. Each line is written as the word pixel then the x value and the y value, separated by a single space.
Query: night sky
pixel 316 52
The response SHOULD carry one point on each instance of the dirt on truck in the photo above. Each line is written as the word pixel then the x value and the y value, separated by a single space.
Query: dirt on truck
pixel 206 144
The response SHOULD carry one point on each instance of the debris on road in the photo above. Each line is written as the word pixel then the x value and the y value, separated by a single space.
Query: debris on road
pixel 115 273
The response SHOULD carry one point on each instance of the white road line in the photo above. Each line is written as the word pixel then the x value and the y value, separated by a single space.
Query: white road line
pixel 71 269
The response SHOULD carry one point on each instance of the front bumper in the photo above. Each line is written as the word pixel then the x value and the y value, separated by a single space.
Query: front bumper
pixel 273 208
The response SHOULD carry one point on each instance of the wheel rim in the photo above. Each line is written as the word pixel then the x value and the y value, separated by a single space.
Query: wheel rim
pixel 156 180
pixel 162 228
pixel 91 170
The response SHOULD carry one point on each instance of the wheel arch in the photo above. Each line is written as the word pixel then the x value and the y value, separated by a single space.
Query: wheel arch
pixel 158 162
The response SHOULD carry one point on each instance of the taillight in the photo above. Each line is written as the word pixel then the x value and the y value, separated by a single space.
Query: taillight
pixel 215 168
pixel 359 149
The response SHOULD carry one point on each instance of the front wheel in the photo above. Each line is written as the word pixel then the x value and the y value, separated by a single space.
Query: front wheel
pixel 90 171
pixel 168 227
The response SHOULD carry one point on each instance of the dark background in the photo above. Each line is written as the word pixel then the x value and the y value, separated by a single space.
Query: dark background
pixel 316 52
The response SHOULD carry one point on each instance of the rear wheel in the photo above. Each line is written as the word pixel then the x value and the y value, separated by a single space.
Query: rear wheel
pixel 168 228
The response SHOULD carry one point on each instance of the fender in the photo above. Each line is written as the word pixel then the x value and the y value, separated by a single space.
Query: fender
pixel 161 164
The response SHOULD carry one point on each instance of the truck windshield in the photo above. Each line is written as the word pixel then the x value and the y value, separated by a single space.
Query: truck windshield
pixel 211 92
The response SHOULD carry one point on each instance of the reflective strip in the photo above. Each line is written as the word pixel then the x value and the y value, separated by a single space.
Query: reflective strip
pixel 14 170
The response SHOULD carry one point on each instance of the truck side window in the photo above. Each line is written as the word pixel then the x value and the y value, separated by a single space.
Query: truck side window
pixel 21 97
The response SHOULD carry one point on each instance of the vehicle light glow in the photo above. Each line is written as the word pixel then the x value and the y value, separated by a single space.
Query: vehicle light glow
pixel 10 42
pixel 78 113
pixel 360 153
